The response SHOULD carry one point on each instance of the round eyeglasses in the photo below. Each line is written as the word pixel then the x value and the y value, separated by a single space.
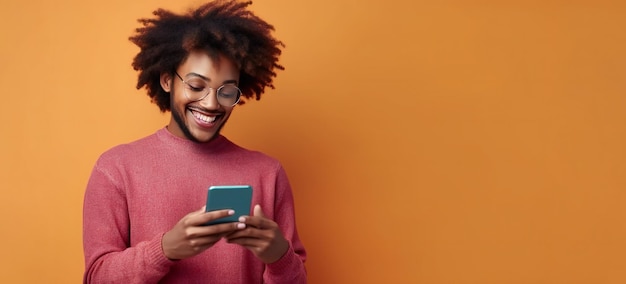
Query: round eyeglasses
pixel 196 89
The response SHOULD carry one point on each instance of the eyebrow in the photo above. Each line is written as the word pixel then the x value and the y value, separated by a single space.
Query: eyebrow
pixel 209 80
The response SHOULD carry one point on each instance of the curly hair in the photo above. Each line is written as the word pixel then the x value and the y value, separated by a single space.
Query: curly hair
pixel 219 27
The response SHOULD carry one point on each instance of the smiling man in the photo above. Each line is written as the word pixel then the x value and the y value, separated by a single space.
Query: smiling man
pixel 143 215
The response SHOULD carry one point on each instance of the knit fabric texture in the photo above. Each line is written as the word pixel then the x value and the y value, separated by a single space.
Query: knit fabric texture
pixel 139 191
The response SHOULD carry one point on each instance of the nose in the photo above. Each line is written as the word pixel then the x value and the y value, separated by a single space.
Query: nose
pixel 210 101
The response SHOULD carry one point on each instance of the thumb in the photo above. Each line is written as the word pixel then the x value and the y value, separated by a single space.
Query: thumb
pixel 258 211
pixel 198 212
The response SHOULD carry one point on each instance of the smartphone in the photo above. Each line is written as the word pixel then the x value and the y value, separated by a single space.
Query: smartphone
pixel 235 197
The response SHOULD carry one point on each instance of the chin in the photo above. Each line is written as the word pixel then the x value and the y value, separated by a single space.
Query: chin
pixel 205 135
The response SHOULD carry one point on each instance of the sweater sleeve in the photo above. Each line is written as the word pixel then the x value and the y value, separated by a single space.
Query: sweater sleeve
pixel 290 267
pixel 109 258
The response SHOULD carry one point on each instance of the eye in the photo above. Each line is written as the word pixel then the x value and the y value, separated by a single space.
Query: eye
pixel 228 95
pixel 196 86
pixel 228 91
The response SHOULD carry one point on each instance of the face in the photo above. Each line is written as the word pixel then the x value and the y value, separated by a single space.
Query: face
pixel 199 121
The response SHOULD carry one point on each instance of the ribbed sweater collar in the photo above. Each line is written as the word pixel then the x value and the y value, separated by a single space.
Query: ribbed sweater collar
pixel 183 144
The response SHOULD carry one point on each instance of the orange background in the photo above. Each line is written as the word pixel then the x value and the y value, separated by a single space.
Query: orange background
pixel 456 142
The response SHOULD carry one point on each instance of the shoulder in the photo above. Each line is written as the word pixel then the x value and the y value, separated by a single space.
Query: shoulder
pixel 246 156
pixel 128 151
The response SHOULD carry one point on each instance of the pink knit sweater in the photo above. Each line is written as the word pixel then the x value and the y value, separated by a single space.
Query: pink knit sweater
pixel 138 191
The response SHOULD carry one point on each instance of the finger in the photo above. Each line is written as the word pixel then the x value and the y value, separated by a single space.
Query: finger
pixel 257 220
pixel 204 242
pixel 204 217
pixel 217 230
pixel 249 232
pixel 258 211
pixel 246 242
pixel 198 212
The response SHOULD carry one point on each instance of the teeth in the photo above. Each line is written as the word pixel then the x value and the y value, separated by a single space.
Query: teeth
pixel 204 117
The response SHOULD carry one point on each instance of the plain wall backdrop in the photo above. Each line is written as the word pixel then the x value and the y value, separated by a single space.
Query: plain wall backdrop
pixel 426 141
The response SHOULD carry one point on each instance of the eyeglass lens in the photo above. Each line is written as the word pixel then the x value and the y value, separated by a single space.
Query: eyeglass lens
pixel 197 89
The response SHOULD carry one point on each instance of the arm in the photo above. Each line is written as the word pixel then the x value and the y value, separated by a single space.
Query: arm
pixel 290 267
pixel 275 242
pixel 109 256
pixel 106 237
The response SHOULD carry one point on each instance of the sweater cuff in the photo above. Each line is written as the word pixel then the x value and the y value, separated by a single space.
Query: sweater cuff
pixel 155 255
pixel 285 263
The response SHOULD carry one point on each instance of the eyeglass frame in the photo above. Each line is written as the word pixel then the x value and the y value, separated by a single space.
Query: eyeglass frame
pixel 217 91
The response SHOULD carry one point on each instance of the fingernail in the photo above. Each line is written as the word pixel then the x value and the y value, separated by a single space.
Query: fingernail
pixel 231 212
pixel 241 226
pixel 242 219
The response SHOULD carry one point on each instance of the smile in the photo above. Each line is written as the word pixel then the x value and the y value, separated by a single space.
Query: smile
pixel 203 118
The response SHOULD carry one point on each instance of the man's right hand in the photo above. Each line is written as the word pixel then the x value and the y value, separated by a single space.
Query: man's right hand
pixel 190 237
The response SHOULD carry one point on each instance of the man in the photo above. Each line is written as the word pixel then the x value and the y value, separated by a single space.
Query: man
pixel 143 215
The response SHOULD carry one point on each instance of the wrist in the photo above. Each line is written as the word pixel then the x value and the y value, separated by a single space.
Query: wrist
pixel 280 250
pixel 165 248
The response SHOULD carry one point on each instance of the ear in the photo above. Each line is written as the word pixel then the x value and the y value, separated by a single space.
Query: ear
pixel 166 82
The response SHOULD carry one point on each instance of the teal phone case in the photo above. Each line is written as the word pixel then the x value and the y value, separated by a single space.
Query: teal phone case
pixel 235 197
